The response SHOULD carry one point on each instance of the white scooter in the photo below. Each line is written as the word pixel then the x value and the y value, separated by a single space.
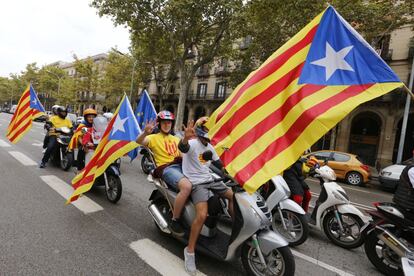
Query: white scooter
pixel 263 252
pixel 294 225
pixel 340 220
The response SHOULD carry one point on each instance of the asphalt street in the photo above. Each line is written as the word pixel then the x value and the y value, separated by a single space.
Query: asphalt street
pixel 40 235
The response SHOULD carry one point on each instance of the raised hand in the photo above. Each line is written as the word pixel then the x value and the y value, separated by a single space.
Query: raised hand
pixel 189 130
pixel 149 126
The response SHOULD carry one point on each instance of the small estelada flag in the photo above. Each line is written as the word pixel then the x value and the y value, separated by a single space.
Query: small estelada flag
pixel 118 139
pixel 28 108
pixel 303 90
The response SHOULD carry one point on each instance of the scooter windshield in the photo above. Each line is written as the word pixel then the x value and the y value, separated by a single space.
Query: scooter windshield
pixel 99 127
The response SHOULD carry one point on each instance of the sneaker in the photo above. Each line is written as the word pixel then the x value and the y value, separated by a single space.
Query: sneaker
pixel 176 228
pixel 42 165
pixel 189 262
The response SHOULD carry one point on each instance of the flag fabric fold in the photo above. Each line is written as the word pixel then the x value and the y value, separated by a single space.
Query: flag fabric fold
pixel 118 139
pixel 144 112
pixel 28 108
pixel 303 90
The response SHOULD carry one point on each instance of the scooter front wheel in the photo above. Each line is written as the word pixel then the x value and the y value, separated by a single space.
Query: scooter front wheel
pixel 350 237
pixel 114 189
pixel 297 229
pixel 67 160
pixel 280 261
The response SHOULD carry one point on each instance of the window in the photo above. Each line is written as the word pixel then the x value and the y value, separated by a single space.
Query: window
pixel 220 92
pixel 322 155
pixel 201 90
pixel 339 157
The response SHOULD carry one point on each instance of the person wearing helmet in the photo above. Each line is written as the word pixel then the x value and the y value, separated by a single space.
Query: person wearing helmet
pixel 295 177
pixel 164 146
pixel 88 115
pixel 48 124
pixel 57 121
pixel 198 154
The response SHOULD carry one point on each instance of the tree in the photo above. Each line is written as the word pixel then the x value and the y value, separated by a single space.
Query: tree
pixel 270 23
pixel 196 31
pixel 86 80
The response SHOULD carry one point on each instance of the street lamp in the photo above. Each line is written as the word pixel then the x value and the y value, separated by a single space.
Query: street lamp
pixel 132 78
pixel 57 76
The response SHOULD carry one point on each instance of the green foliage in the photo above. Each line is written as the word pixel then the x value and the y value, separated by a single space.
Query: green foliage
pixel 271 23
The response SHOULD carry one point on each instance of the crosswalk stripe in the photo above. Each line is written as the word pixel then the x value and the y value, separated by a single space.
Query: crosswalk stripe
pixel 84 204
pixel 4 144
pixel 159 258
pixel 22 158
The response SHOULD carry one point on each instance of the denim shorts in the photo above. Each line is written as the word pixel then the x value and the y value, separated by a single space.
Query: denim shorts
pixel 172 175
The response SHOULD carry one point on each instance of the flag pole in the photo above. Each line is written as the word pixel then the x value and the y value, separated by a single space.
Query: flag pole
pixel 410 96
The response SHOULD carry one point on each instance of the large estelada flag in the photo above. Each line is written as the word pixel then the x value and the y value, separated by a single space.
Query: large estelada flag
pixel 118 139
pixel 297 95
pixel 28 108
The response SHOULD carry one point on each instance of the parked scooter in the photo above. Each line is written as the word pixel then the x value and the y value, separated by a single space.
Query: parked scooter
pixel 61 157
pixel 263 252
pixel 340 220
pixel 294 226
pixel 111 177
pixel 389 238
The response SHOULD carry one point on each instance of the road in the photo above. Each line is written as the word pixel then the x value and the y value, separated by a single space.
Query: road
pixel 40 235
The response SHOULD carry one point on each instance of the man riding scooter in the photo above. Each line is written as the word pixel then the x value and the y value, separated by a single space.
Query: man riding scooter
pixel 47 125
pixel 295 177
pixel 88 115
pixel 197 156
pixel 164 146
pixel 56 122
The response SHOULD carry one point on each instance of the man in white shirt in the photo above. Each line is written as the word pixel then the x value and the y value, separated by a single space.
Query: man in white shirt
pixel 198 154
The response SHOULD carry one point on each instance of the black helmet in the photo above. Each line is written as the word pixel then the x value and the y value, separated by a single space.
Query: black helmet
pixel 62 112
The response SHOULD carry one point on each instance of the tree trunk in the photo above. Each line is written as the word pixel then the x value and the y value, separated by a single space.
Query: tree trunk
pixel 185 82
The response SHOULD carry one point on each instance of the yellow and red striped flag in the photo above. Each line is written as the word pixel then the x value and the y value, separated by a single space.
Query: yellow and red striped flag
pixel 118 139
pixel 28 108
pixel 297 95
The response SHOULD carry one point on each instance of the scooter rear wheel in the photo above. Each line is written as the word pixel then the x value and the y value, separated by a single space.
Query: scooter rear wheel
pixel 280 261
pixel 352 238
pixel 114 190
pixel 381 256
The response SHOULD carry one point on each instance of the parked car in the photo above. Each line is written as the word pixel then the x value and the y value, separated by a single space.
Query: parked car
pixel 390 176
pixel 347 166
pixel 13 109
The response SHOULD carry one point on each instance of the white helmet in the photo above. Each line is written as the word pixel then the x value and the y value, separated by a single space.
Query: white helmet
pixel 108 115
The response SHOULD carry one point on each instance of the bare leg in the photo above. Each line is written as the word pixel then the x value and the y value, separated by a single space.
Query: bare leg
pixel 184 186
pixel 201 215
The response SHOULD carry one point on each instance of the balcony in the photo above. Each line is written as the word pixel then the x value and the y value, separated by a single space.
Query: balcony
pixel 203 72
pixel 208 97
pixel 221 71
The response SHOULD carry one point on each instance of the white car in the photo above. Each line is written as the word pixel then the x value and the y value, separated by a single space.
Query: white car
pixel 389 177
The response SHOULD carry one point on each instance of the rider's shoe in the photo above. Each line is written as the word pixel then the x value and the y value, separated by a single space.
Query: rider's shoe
pixel 189 262
pixel 42 165
pixel 176 228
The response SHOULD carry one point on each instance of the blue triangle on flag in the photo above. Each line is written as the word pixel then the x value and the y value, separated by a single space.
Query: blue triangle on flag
pixel 125 126
pixel 340 56
pixel 34 101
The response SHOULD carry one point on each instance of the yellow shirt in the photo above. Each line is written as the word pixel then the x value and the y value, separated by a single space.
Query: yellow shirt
pixel 58 122
pixel 164 147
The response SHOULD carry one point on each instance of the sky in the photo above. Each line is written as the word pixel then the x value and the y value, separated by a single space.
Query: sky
pixel 45 31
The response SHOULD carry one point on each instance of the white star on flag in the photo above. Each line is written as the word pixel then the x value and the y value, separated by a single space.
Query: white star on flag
pixel 334 60
pixel 34 101
pixel 119 124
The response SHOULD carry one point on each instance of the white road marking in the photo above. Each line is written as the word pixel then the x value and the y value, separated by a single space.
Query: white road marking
pixel 159 258
pixel 37 143
pixel 22 158
pixel 4 144
pixel 85 204
pixel 321 264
